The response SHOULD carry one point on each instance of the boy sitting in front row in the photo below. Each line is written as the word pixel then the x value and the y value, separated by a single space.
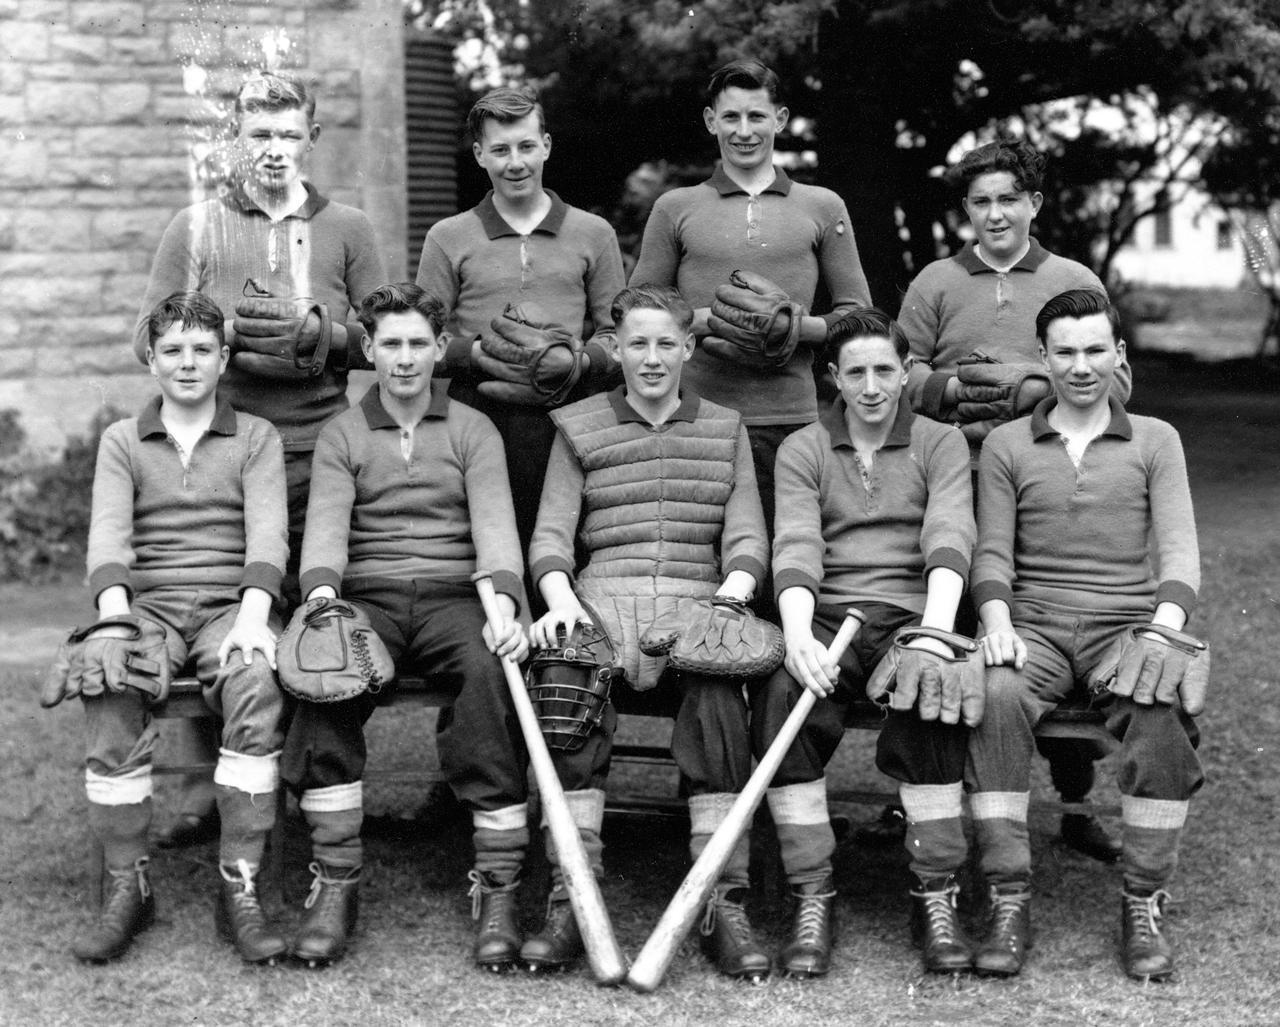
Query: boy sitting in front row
pixel 409 496
pixel 659 487
pixel 874 509
pixel 1088 541
pixel 188 535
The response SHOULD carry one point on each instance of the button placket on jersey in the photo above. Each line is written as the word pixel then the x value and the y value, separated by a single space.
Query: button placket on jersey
pixel 870 484
pixel 755 214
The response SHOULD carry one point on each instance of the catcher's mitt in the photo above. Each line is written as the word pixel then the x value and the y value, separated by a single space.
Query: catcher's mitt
pixel 988 390
pixel 944 688
pixel 1168 668
pixel 569 684
pixel 529 360
pixel 330 652
pixel 282 339
pixel 753 322
pixel 715 636
pixel 115 653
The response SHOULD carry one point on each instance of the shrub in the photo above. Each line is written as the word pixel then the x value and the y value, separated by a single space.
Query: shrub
pixel 44 507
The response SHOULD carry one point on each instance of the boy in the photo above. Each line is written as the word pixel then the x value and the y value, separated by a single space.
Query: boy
pixel 878 513
pixel 273 227
pixel 653 536
pixel 985 298
pixel 409 497
pixel 521 243
pixel 750 216
pixel 1078 503
pixel 187 536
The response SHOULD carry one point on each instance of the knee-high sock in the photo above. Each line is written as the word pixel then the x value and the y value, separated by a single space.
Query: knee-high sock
pixel 1151 830
pixel 706 813
pixel 935 831
pixel 1004 845
pixel 586 805
pixel 120 814
pixel 501 837
pixel 245 787
pixel 804 830
pixel 334 815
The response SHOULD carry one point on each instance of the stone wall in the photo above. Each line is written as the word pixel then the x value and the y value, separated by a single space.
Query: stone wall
pixel 105 110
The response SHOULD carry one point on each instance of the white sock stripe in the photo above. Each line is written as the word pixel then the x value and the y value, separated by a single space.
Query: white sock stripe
pixel 805 803
pixel 1000 805
pixel 707 812
pixel 509 818
pixel 126 789
pixel 931 802
pixel 586 806
pixel 257 775
pixel 334 799
pixel 1162 814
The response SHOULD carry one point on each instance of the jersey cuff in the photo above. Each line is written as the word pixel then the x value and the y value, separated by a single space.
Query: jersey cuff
pixel 952 559
pixel 749 564
pixel 109 574
pixel 793 577
pixel 986 591
pixel 317 576
pixel 509 584
pixel 931 395
pixel 545 565
pixel 1178 593
pixel 263 575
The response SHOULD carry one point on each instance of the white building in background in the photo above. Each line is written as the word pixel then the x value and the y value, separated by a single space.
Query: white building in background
pixel 1194 244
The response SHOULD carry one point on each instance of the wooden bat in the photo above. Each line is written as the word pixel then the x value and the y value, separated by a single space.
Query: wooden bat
pixel 607 963
pixel 686 905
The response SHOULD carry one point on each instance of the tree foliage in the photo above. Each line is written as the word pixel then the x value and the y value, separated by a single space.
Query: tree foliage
pixel 893 86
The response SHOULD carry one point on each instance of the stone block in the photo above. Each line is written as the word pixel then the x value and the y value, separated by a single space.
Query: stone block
pixel 126 101
pixel 160 172
pixel 115 19
pixel 198 41
pixel 43 230
pixel 121 293
pixel 12 76
pixel 138 228
pixel 107 357
pixel 79 172
pixel 18 265
pixel 18 362
pixel 340 112
pixel 78 47
pixel 140 49
pixel 340 81
pixel 40 296
pixel 13 110
pixel 64 103
pixel 127 141
pixel 25 42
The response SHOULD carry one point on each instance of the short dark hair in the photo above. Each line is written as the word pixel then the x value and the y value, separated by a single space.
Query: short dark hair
pixel 1022 160
pixel 504 105
pixel 652 297
pixel 744 73
pixel 189 309
pixel 271 91
pixel 400 298
pixel 859 324
pixel 1077 303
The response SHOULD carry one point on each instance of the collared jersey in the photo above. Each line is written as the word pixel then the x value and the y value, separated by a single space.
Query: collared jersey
pixel 795 235
pixel 849 533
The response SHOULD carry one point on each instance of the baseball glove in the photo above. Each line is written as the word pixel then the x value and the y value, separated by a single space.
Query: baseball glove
pixel 992 391
pixel 945 688
pixel 753 322
pixel 115 653
pixel 284 339
pixel 1169 668
pixel 330 652
pixel 717 636
pixel 569 684
pixel 529 360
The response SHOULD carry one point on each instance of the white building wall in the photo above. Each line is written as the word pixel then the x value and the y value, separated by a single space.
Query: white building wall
pixel 1192 255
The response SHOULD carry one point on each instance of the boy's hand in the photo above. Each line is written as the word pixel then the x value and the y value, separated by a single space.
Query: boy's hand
pixel 509 639
pixel 807 661
pixel 248 636
pixel 545 631
pixel 1004 647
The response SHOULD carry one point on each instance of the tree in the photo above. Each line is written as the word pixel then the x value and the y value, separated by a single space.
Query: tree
pixel 892 85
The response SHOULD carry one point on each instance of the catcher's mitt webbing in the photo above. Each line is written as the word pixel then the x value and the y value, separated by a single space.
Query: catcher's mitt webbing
pixel 719 636
pixel 330 652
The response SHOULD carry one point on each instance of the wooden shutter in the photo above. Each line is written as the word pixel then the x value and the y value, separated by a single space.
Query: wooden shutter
pixel 431 136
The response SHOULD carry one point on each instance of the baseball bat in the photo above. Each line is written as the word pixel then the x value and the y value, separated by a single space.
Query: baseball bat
pixel 603 954
pixel 651 964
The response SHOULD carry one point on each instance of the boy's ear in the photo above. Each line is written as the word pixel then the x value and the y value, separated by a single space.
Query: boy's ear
pixel 366 346
pixel 442 344
pixel 151 359
pixel 709 119
pixel 690 344
pixel 225 354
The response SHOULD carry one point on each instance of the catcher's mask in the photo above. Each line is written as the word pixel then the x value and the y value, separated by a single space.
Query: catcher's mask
pixel 569 684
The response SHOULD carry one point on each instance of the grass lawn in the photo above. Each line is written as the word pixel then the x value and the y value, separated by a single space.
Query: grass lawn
pixel 410 960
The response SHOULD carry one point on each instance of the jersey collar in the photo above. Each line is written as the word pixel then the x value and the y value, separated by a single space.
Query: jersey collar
pixel 150 424
pixel 899 435
pixel 376 416
pixel 726 186
pixel 240 200
pixel 495 225
pixel 968 259
pixel 627 414
pixel 1119 425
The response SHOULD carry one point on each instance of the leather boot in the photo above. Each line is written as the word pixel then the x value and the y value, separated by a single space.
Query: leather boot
pixel 1088 835
pixel 239 918
pixel 1146 952
pixel 727 939
pixel 494 908
pixel 128 909
pixel 1009 932
pixel 807 952
pixel 558 944
pixel 935 927
pixel 332 908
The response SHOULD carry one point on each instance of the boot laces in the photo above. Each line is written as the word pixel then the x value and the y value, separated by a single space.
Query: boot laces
pixel 481 887
pixel 244 897
pixel 326 889
pixel 940 911
pixel 1006 909
pixel 122 883
pixel 559 921
pixel 733 915
pixel 1144 912
pixel 811 917
pixel 242 873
